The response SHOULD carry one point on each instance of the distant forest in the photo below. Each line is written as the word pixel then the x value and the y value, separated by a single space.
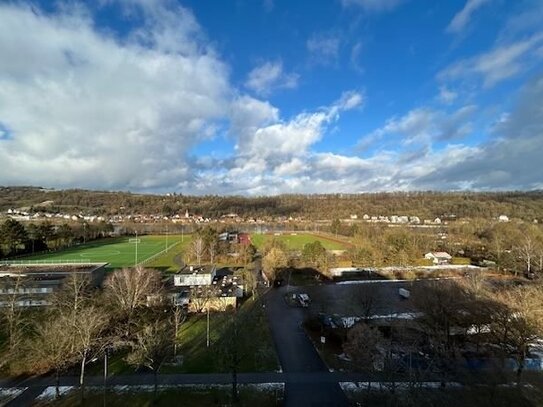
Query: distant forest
pixel 426 205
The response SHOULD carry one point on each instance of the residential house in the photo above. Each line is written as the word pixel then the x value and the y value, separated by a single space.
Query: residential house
pixel 438 257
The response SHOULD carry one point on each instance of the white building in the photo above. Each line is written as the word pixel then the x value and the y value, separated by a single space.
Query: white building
pixel 438 257
pixel 194 276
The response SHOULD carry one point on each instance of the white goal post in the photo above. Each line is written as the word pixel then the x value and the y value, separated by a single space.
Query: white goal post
pixel 134 240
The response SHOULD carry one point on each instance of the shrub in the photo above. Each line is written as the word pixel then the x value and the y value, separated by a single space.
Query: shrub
pixel 464 261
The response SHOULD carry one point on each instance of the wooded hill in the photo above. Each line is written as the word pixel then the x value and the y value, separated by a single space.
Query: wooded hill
pixel 426 205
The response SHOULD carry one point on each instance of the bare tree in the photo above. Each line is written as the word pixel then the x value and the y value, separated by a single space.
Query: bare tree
pixel 362 346
pixel 518 321
pixel 89 325
pixel 212 249
pixel 197 249
pixel 250 281
pixel 365 299
pixel 273 261
pixel 12 316
pixel 475 283
pixel 527 251
pixel 130 289
pixel 246 253
pixel 233 347
pixel 152 347
pixel 200 297
pixel 72 297
pixel 51 349
pixel 179 317
pixel 444 306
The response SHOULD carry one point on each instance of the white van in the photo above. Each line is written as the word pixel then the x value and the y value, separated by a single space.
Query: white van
pixel 304 300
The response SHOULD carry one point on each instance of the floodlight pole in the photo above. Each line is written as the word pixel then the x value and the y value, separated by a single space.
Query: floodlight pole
pixel 136 253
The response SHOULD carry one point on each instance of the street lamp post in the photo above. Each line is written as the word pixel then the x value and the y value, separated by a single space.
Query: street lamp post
pixel 208 326
pixel 106 354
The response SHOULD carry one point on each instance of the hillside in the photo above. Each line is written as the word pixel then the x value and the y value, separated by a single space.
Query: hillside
pixel 524 205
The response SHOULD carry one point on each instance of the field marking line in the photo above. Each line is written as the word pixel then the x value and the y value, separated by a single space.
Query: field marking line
pixel 164 251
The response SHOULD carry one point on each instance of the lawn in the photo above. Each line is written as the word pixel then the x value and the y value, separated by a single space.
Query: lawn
pixel 189 396
pixel 260 355
pixel 121 252
pixel 297 241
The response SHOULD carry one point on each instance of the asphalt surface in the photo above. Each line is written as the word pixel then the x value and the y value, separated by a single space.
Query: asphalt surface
pixel 297 354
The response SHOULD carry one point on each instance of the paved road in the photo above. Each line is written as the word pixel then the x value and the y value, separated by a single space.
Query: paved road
pixel 298 355
pixel 321 377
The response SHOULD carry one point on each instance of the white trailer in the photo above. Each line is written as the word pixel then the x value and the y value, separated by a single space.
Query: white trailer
pixel 405 294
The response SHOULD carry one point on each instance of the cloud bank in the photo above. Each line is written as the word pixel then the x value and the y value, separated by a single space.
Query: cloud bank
pixel 101 110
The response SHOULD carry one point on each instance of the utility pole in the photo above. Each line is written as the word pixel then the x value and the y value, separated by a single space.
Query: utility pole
pixel 208 326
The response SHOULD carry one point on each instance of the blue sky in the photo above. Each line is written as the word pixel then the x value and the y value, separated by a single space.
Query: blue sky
pixel 273 96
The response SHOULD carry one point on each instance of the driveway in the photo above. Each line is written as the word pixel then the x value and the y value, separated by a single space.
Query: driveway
pixel 298 355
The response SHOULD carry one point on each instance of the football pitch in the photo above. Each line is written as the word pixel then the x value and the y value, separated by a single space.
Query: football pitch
pixel 297 241
pixel 119 252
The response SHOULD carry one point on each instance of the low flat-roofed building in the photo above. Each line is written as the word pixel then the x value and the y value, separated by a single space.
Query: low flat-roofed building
pixel 31 284
pixel 194 275
pixel 220 294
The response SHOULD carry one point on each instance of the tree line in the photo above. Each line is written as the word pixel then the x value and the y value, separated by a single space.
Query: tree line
pixel 18 239
pixel 425 204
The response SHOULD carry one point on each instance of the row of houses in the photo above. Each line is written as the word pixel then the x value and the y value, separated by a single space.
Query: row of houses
pixel 398 219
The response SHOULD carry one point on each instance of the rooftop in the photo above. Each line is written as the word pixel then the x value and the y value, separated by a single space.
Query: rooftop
pixel 191 269
pixel 34 269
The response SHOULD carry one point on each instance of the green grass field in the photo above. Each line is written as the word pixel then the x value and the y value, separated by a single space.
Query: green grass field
pixel 298 241
pixel 120 252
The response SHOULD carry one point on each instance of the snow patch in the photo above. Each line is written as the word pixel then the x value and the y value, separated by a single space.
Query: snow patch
pixel 355 387
pixel 51 392
pixel 9 393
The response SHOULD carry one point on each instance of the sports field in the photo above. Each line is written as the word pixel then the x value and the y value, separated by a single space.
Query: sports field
pixel 297 241
pixel 121 252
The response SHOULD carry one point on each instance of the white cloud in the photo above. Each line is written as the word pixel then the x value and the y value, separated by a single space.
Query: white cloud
pixel 356 52
pixel 424 125
pixel 511 158
pixel 462 18
pixel 323 48
pixel 502 62
pixel 373 5
pixel 99 111
pixel 272 154
pixel 270 75
pixel 92 111
pixel 446 95
pixel 286 139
